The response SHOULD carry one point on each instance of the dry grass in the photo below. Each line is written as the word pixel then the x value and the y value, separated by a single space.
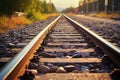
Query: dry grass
pixel 104 15
pixel 7 23
pixel 10 23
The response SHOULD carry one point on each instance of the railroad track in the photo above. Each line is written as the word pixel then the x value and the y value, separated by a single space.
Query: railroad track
pixel 65 50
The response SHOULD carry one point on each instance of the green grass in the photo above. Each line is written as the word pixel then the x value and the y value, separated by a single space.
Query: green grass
pixel 36 16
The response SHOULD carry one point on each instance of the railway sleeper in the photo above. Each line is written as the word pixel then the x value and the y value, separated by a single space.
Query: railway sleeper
pixel 70 61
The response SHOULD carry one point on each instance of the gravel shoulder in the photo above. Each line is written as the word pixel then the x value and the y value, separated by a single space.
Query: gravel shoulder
pixel 107 28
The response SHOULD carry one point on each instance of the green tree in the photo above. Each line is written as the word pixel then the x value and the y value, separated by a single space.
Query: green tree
pixel 38 6
pixel 44 6
pixel 68 10
pixel 53 8
pixel 8 7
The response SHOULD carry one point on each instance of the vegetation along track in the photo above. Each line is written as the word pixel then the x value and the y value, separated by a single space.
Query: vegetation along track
pixel 65 50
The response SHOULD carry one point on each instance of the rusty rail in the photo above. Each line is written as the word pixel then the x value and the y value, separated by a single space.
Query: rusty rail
pixel 16 67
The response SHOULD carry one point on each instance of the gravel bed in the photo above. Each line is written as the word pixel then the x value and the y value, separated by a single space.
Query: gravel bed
pixel 13 37
pixel 108 28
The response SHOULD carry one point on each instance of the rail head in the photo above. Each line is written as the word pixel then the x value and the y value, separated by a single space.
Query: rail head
pixel 9 69
pixel 112 51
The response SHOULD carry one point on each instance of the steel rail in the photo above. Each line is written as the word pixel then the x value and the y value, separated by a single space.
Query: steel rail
pixel 16 67
pixel 112 51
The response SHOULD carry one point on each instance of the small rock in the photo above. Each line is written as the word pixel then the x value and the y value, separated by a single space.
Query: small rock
pixel 91 66
pixel 85 54
pixel 92 70
pixel 15 42
pixel 69 57
pixel 53 69
pixel 77 56
pixel 29 75
pixel 98 70
pixel 83 68
pixel 43 69
pixel 33 66
pixel 77 67
pixel 40 63
pixel 61 70
pixel 47 55
pixel 11 45
pixel 61 55
pixel 33 71
pixel 73 52
pixel 35 59
pixel 50 65
pixel 65 46
pixel 86 71
pixel 76 71
pixel 69 68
